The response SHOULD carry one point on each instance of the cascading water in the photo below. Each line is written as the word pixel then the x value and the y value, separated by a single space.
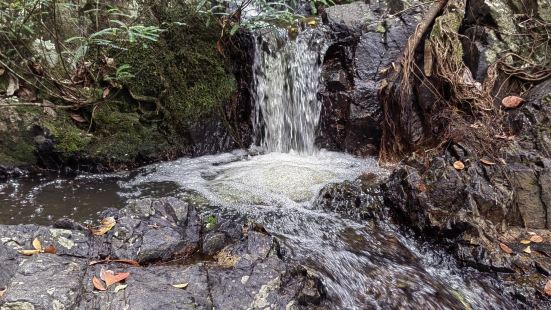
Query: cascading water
pixel 363 264
pixel 286 79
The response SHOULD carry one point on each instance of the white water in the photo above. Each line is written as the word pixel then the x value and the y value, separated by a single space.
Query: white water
pixel 287 75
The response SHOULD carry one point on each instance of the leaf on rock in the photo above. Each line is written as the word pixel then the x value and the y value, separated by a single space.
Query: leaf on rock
pixel 28 252
pixel 50 249
pixel 37 244
pixel 112 278
pixel 511 102
pixel 527 250
pixel 458 165
pixel 77 118
pixel 120 287
pixel 505 248
pixel 180 285
pixel 98 284
pixel 487 162
pixel 547 288
pixel 106 225
pixel 536 239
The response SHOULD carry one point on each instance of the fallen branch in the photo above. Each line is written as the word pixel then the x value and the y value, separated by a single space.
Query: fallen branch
pixel 36 104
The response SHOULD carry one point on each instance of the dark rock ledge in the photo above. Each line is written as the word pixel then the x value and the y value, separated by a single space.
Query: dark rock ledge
pixel 228 266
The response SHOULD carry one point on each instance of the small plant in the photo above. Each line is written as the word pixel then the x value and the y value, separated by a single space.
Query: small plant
pixel 211 222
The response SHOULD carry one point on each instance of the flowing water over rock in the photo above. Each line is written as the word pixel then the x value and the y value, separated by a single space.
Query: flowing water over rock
pixel 363 262
pixel 287 75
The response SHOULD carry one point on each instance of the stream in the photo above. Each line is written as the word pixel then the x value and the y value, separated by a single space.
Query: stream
pixel 363 264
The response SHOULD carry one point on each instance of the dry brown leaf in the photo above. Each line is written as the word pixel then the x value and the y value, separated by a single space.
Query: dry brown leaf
pixel 527 250
pixel 26 94
pixel 180 285
pixel 106 225
pixel 78 118
pixel 98 284
pixel 105 93
pixel 536 239
pixel 2 291
pixel 112 278
pixel 50 249
pixel 28 252
pixel 511 102
pixel 525 241
pixel 547 288
pixel 505 248
pixel 458 165
pixel 13 85
pixel 487 162
pixel 37 245
pixel 422 187
pixel 2 71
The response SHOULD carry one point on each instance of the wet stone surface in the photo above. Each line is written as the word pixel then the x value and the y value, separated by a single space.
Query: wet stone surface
pixel 170 241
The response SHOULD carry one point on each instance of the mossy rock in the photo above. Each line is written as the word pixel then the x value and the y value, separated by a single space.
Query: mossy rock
pixel 182 69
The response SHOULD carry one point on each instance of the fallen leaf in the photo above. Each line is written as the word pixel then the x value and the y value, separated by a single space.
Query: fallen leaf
pixel 487 162
pixel 50 249
pixel 49 111
pixel 527 250
pixel 505 248
pixel 105 93
pixel 28 252
pixel 536 239
pixel 37 244
pixel 547 288
pixel 98 284
pixel 181 285
pixel 458 165
pixel 78 118
pixel 2 70
pixel 422 187
pixel 103 272
pixel 106 225
pixel 501 160
pixel 525 241
pixel 112 278
pixel 26 94
pixel 2 291
pixel 511 101
pixel 13 85
pixel 120 287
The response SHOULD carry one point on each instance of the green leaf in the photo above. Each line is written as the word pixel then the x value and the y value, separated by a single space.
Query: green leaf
pixel 234 29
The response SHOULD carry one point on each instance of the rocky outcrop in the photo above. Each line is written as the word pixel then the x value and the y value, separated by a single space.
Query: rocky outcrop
pixel 364 40
pixel 486 213
pixel 225 265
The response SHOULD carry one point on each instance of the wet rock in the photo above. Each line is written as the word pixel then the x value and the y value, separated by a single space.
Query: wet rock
pixel 363 42
pixel 225 268
pixel 45 282
pixel 472 211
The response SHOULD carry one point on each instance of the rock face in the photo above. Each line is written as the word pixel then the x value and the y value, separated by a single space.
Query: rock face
pixel 472 211
pixel 364 40
pixel 242 270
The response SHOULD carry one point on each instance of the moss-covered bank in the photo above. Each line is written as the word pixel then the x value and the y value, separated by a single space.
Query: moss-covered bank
pixel 179 85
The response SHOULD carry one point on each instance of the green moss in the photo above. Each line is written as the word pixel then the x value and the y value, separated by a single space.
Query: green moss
pixel 69 139
pixel 183 68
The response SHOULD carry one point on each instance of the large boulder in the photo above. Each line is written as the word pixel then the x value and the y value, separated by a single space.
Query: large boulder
pixel 364 39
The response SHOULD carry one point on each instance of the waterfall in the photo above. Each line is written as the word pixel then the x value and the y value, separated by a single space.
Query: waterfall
pixel 286 79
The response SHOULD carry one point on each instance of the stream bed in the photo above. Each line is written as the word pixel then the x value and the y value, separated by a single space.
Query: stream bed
pixel 361 263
